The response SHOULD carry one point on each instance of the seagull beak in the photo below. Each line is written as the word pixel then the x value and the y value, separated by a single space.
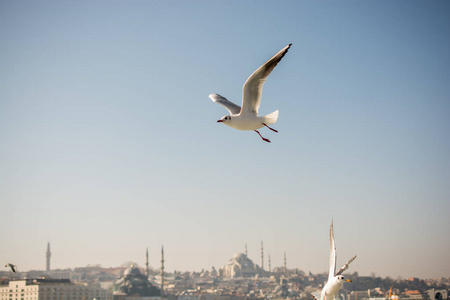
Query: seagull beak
pixel 348 280
pixel 219 121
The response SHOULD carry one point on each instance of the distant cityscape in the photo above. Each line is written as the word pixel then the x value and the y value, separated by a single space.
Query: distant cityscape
pixel 240 278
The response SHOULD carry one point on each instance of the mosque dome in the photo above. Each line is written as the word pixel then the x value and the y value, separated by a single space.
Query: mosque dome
pixel 134 283
pixel 240 266
pixel 240 256
pixel 132 271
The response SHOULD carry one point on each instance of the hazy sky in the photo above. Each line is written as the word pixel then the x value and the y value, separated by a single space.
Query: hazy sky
pixel 109 142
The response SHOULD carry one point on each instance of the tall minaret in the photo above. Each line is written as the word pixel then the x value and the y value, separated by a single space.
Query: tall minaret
pixel 146 262
pixel 162 270
pixel 285 269
pixel 246 253
pixel 262 256
pixel 48 254
pixel 270 268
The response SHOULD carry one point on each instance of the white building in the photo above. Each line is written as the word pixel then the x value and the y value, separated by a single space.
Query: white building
pixel 240 266
pixel 51 289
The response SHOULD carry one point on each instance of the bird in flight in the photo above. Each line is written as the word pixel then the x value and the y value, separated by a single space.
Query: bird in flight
pixel 335 279
pixel 13 267
pixel 246 117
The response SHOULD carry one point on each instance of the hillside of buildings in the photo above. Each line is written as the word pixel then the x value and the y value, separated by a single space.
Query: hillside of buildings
pixel 280 283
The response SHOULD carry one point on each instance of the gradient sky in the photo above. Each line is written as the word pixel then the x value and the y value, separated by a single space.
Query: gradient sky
pixel 109 142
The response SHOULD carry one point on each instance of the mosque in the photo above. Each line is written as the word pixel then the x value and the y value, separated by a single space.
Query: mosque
pixel 133 285
pixel 242 266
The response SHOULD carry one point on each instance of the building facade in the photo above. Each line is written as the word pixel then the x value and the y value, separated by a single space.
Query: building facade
pixel 240 266
pixel 51 289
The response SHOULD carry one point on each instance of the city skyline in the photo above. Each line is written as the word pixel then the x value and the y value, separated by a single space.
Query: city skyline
pixel 146 266
pixel 109 143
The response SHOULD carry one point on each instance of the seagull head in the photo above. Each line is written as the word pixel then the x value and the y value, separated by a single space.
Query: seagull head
pixel 341 279
pixel 224 119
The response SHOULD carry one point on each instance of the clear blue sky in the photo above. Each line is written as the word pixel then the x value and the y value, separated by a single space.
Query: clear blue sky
pixel 109 142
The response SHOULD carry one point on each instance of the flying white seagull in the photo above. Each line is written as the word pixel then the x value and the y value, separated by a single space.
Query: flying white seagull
pixel 335 279
pixel 13 267
pixel 246 117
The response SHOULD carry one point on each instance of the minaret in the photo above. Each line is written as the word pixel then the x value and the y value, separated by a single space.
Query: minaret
pixel 285 269
pixel 246 253
pixel 48 254
pixel 262 256
pixel 146 262
pixel 270 268
pixel 162 270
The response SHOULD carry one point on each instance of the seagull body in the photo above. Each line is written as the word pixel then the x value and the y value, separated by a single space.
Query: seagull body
pixel 13 267
pixel 335 279
pixel 246 117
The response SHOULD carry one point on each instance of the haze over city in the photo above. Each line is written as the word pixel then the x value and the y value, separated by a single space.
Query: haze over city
pixel 109 143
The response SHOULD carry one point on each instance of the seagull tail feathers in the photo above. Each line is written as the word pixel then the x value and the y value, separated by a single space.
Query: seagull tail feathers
pixel 271 118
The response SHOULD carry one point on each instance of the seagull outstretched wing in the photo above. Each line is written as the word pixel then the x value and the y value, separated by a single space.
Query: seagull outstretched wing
pixel 332 261
pixel 251 98
pixel 345 267
pixel 230 106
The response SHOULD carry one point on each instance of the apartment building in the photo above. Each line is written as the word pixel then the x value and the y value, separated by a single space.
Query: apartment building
pixel 51 289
